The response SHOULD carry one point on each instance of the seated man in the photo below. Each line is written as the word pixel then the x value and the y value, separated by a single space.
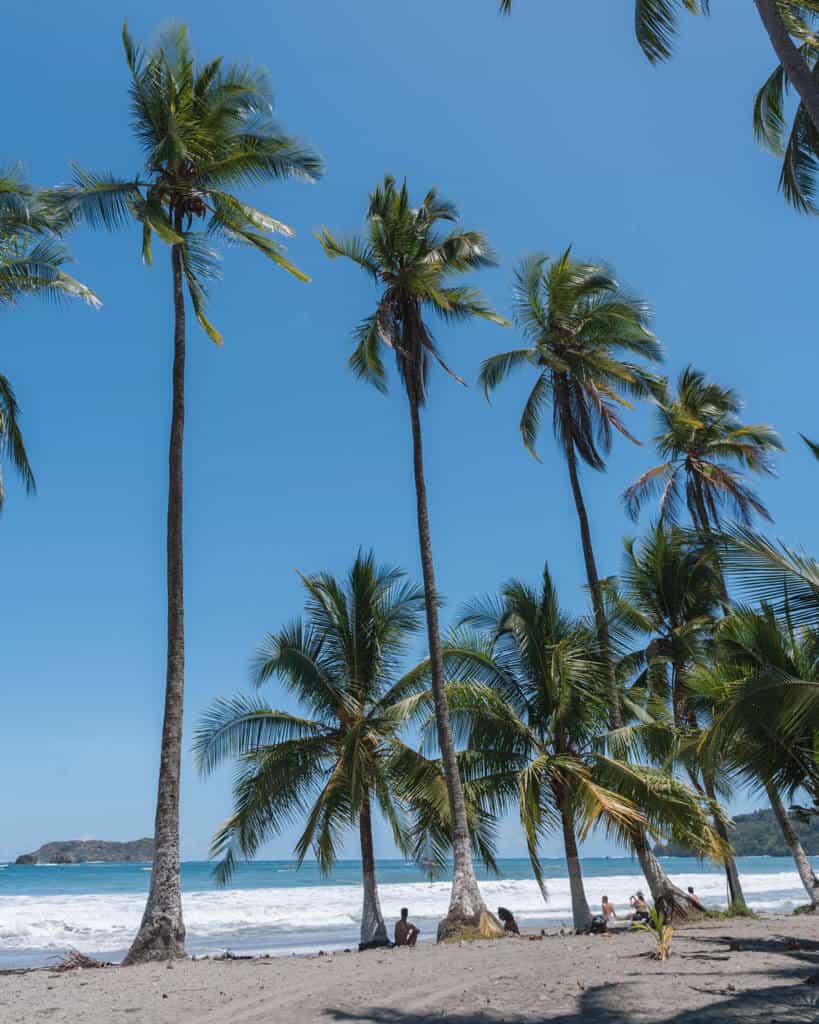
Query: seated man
pixel 640 906
pixel 406 934
pixel 609 913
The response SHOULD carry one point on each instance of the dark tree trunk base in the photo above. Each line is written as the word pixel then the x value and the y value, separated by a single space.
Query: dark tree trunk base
pixel 159 938
pixel 375 944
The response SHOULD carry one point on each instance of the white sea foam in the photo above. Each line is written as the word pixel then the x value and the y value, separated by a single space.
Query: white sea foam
pixel 305 917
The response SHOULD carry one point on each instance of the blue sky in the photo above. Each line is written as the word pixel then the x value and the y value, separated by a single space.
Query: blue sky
pixel 546 129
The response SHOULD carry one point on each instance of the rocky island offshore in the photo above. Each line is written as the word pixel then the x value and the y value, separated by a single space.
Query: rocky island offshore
pixel 83 851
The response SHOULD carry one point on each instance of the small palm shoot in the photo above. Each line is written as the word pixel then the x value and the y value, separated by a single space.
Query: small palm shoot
pixel 661 932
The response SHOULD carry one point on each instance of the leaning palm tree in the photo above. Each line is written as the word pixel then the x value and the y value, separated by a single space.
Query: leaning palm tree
pixel 670 593
pixel 705 449
pixel 796 143
pixel 342 664
pixel 32 258
pixel 529 693
pixel 580 325
pixel 764 675
pixel 203 129
pixel 414 263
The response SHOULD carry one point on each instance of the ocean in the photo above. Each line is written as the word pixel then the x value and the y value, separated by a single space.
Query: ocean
pixel 270 907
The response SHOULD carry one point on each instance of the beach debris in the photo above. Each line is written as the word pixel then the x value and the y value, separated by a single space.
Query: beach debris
pixel 74 960
pixel 793 944
pixel 812 979
pixel 735 947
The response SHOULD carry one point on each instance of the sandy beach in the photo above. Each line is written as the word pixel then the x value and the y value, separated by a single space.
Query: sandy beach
pixel 737 970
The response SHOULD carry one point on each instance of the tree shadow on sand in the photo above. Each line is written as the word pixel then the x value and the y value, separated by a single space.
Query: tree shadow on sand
pixel 782 1004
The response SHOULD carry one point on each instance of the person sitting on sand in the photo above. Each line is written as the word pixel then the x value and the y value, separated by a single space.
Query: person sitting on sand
pixel 640 908
pixel 406 934
pixel 509 922
pixel 609 913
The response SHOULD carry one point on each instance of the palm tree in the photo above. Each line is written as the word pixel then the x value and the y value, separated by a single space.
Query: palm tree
pixel 523 692
pixel 32 258
pixel 413 262
pixel 579 324
pixel 762 675
pixel 203 129
pixel 341 662
pixel 671 590
pixel 705 447
pixel 795 144
pixel 529 692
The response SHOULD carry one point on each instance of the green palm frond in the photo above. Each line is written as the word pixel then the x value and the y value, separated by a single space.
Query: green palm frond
pixel 655 24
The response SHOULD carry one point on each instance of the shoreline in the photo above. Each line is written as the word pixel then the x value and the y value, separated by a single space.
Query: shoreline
pixel 739 969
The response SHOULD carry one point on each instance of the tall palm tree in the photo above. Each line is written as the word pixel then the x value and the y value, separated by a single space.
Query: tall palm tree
pixel 342 663
pixel 671 589
pixel 32 258
pixel 414 262
pixel 203 129
pixel 529 693
pixel 580 325
pixel 705 448
pixel 762 674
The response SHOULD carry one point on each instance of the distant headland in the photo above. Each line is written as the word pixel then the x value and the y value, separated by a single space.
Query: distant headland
pixel 82 851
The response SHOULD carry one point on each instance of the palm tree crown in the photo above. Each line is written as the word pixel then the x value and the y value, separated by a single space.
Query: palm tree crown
pixel 342 664
pixel 579 323
pixel 414 263
pixel 204 129
pixel 701 439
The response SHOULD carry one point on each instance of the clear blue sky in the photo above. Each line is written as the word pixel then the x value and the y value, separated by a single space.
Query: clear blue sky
pixel 546 129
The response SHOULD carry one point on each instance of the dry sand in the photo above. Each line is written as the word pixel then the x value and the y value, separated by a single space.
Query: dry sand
pixel 569 979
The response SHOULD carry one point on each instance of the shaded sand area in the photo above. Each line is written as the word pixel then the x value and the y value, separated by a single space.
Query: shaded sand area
pixel 569 979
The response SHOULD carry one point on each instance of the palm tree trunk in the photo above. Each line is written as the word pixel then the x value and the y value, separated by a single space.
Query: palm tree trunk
pixel 799 74
pixel 601 623
pixel 803 865
pixel 581 915
pixel 466 903
pixel 161 935
pixel 686 716
pixel 669 897
pixel 373 929
pixel 736 898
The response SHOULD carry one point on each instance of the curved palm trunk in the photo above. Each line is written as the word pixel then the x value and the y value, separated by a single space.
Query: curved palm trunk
pixel 799 74
pixel 669 897
pixel 373 929
pixel 466 903
pixel 581 915
pixel 161 934
pixel 803 865
pixel 736 898
pixel 687 716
